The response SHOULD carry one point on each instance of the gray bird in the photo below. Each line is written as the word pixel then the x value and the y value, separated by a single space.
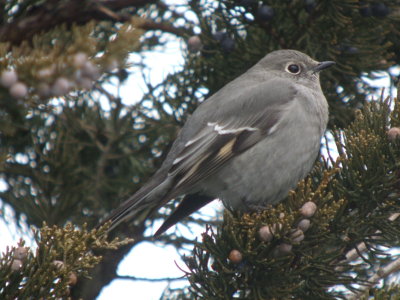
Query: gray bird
pixel 247 145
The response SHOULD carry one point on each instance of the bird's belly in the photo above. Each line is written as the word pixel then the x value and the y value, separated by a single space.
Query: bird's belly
pixel 264 174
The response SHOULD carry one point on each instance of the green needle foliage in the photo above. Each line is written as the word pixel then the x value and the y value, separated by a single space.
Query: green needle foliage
pixel 72 149
pixel 62 255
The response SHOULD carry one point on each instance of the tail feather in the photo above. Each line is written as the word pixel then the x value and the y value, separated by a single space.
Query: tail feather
pixel 145 201
pixel 150 198
pixel 189 204
pixel 129 209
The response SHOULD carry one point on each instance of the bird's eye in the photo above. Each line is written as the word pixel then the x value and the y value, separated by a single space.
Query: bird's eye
pixel 293 68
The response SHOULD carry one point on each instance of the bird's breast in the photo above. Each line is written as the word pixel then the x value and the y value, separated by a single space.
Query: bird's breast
pixel 265 173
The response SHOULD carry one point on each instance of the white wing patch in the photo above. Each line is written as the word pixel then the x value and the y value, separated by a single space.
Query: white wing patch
pixel 220 129
pixel 273 128
pixel 207 136
pixel 200 139
pixel 177 160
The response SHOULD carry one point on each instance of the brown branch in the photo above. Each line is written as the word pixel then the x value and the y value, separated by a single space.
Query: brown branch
pixel 54 13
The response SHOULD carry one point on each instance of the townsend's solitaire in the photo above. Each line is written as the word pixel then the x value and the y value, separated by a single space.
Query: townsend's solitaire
pixel 247 145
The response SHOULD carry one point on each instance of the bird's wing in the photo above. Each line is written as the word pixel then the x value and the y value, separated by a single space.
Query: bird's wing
pixel 228 135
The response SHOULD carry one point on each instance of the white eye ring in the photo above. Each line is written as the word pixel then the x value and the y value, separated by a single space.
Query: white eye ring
pixel 293 68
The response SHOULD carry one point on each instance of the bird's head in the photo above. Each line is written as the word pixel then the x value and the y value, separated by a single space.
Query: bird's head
pixel 294 64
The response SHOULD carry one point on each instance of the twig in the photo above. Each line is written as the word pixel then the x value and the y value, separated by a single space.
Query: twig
pixel 129 277
pixel 112 15
pixel 380 274
pixel 361 247
pixel 374 279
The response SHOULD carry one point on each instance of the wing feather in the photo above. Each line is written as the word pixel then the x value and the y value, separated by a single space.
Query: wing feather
pixel 221 146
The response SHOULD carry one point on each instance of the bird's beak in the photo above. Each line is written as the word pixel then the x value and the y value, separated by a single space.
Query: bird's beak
pixel 323 65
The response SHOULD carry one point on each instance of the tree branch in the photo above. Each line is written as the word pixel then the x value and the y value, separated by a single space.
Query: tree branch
pixel 40 18
pixel 362 247
pixel 169 279
pixel 381 273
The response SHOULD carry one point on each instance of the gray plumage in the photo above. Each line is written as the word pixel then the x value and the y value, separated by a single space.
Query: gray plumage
pixel 247 145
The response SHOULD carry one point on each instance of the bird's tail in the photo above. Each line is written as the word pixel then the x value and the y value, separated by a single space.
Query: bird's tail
pixel 140 205
pixel 133 207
